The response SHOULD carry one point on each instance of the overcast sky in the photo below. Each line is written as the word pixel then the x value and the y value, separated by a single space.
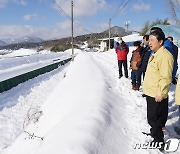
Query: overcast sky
pixel 44 19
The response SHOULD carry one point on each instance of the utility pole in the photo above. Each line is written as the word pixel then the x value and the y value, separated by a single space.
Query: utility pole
pixel 109 33
pixel 72 39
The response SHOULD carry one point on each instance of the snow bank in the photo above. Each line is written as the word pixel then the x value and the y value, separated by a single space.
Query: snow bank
pixel 16 103
pixel 74 115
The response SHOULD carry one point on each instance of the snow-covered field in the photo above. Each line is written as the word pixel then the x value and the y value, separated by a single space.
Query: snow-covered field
pixel 25 60
pixel 79 108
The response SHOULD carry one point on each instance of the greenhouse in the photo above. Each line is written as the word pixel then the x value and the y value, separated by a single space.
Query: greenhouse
pixel 171 30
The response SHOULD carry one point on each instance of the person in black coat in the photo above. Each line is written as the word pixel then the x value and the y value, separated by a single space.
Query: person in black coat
pixel 145 54
pixel 175 48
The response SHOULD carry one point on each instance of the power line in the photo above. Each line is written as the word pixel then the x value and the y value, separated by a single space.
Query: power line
pixel 83 27
pixel 60 8
pixel 115 13
pixel 120 9
pixel 69 17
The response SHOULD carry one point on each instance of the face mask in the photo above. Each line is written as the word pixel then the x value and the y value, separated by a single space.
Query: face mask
pixel 120 41
pixel 145 44
pixel 135 47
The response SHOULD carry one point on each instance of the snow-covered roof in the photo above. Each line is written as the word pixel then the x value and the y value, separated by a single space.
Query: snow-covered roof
pixel 106 39
pixel 128 38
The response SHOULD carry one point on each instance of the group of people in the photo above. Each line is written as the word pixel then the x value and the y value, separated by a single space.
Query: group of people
pixel 155 58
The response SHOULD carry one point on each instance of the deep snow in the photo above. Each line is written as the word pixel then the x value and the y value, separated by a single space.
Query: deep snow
pixel 22 61
pixel 81 108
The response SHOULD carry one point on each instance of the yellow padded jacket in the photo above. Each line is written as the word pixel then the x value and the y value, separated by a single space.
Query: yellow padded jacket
pixel 158 74
pixel 177 94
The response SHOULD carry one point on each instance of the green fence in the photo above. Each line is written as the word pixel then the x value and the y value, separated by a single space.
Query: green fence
pixel 12 82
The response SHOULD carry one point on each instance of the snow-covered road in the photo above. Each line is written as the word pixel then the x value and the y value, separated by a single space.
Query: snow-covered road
pixel 130 110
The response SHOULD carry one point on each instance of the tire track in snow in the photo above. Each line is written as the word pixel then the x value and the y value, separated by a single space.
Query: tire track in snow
pixel 110 140
pixel 134 112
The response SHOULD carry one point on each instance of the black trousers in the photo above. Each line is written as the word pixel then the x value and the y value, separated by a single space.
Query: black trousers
pixel 157 113
pixel 124 63
pixel 141 73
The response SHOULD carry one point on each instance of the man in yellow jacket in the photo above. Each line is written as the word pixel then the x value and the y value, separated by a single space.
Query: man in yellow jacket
pixel 177 94
pixel 156 84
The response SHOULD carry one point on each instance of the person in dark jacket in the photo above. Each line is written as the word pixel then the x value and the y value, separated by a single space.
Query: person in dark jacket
pixel 145 54
pixel 175 48
pixel 135 59
pixel 122 50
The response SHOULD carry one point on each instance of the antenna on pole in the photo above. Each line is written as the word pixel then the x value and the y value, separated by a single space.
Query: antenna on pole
pixel 127 25
pixel 72 39
pixel 109 33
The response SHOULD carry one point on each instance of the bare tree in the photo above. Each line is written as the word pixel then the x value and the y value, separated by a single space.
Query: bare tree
pixel 174 7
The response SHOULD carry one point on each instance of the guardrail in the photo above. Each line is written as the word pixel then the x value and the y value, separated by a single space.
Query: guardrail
pixel 13 82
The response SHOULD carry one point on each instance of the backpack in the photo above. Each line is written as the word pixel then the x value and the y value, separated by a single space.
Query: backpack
pixel 136 58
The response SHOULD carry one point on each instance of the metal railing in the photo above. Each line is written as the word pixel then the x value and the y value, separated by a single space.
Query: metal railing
pixel 14 81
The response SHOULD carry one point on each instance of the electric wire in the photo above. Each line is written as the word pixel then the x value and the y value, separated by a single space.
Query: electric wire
pixel 120 9
pixel 59 7
pixel 115 13
pixel 85 30
pixel 69 17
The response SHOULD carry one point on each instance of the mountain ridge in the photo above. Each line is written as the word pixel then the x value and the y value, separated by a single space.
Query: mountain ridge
pixel 2 43
pixel 25 39
pixel 64 43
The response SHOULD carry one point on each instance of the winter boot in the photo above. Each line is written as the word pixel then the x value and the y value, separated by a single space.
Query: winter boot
pixel 134 86
pixel 137 87
pixel 120 76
